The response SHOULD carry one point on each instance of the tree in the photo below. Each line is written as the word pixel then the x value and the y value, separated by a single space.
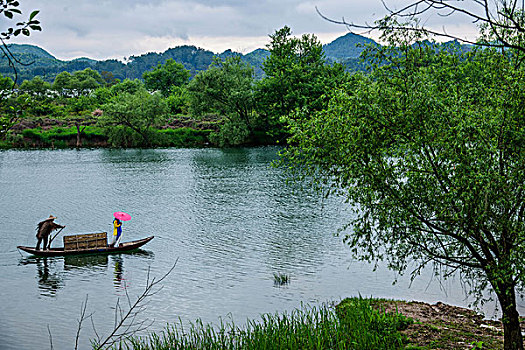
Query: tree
pixel 6 84
pixel 40 95
pixel 139 112
pixel 61 84
pixel 296 75
pixel 429 149
pixel 127 85
pixel 77 84
pixel 12 110
pixel 178 101
pixel 80 113
pixel 227 88
pixel 10 8
pixel 36 87
pixel 85 81
pixel 109 78
pixel 166 77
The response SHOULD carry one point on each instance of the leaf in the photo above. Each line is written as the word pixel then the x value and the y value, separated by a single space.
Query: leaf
pixel 8 14
pixel 33 14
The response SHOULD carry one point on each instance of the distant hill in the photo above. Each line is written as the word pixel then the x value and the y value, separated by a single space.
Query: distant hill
pixel 193 58
pixel 345 49
pixel 30 51
pixel 36 61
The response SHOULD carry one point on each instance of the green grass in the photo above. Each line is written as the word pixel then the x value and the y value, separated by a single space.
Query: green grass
pixel 61 137
pixel 353 324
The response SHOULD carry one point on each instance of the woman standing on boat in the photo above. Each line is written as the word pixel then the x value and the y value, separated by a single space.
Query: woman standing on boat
pixel 117 232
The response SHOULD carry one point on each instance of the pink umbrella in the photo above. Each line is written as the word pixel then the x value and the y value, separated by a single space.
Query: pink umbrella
pixel 122 216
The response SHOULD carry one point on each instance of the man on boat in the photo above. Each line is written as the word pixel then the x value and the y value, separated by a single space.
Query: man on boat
pixel 44 229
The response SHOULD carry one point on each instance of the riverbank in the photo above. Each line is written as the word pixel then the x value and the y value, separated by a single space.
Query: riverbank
pixel 179 131
pixel 355 323
pixel 442 326
pixel 63 133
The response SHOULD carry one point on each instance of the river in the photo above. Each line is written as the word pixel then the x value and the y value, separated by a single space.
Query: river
pixel 230 219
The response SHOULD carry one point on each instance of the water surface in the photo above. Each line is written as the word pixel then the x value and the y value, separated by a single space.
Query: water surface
pixel 229 218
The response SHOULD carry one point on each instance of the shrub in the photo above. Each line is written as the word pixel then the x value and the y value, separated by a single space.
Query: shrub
pixel 32 134
pixel 183 137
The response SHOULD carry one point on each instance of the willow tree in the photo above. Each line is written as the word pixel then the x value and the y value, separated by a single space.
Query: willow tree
pixel 226 87
pixel 138 112
pixel 429 149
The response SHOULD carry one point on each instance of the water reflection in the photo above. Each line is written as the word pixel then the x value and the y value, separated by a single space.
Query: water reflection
pixel 91 262
pixel 118 273
pixel 48 278
pixel 133 156
pixel 51 277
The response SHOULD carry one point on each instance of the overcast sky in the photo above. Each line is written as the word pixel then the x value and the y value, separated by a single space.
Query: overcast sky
pixel 102 29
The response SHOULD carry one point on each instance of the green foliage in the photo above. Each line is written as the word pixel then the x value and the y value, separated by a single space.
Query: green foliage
pixel 115 137
pixel 61 83
pixel 354 325
pixel 297 76
pixel 429 148
pixel 192 58
pixel 109 78
pixel 31 134
pixel 127 85
pixel 166 77
pixel 232 132
pixel 82 105
pixel 36 87
pixel 138 112
pixel 77 84
pixel 374 324
pixel 12 109
pixel 10 9
pixel 182 137
pixel 120 136
pixel 102 95
pixel 43 107
pixel 227 88
pixel 477 345
pixel 178 101
pixel 6 84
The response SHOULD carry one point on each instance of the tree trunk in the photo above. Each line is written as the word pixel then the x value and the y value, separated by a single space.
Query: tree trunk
pixel 512 338
pixel 79 143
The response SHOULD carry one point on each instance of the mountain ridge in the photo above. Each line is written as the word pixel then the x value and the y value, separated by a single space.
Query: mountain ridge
pixel 345 49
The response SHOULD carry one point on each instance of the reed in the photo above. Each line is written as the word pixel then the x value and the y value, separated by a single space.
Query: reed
pixel 353 324
pixel 280 279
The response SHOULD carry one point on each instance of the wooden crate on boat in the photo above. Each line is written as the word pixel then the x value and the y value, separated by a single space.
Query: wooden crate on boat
pixel 86 241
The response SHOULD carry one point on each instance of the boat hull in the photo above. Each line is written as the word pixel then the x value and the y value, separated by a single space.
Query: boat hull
pixel 123 247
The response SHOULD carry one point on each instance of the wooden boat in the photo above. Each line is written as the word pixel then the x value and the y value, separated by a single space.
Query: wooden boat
pixel 123 247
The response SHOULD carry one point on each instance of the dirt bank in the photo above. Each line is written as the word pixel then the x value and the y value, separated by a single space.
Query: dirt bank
pixel 442 326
